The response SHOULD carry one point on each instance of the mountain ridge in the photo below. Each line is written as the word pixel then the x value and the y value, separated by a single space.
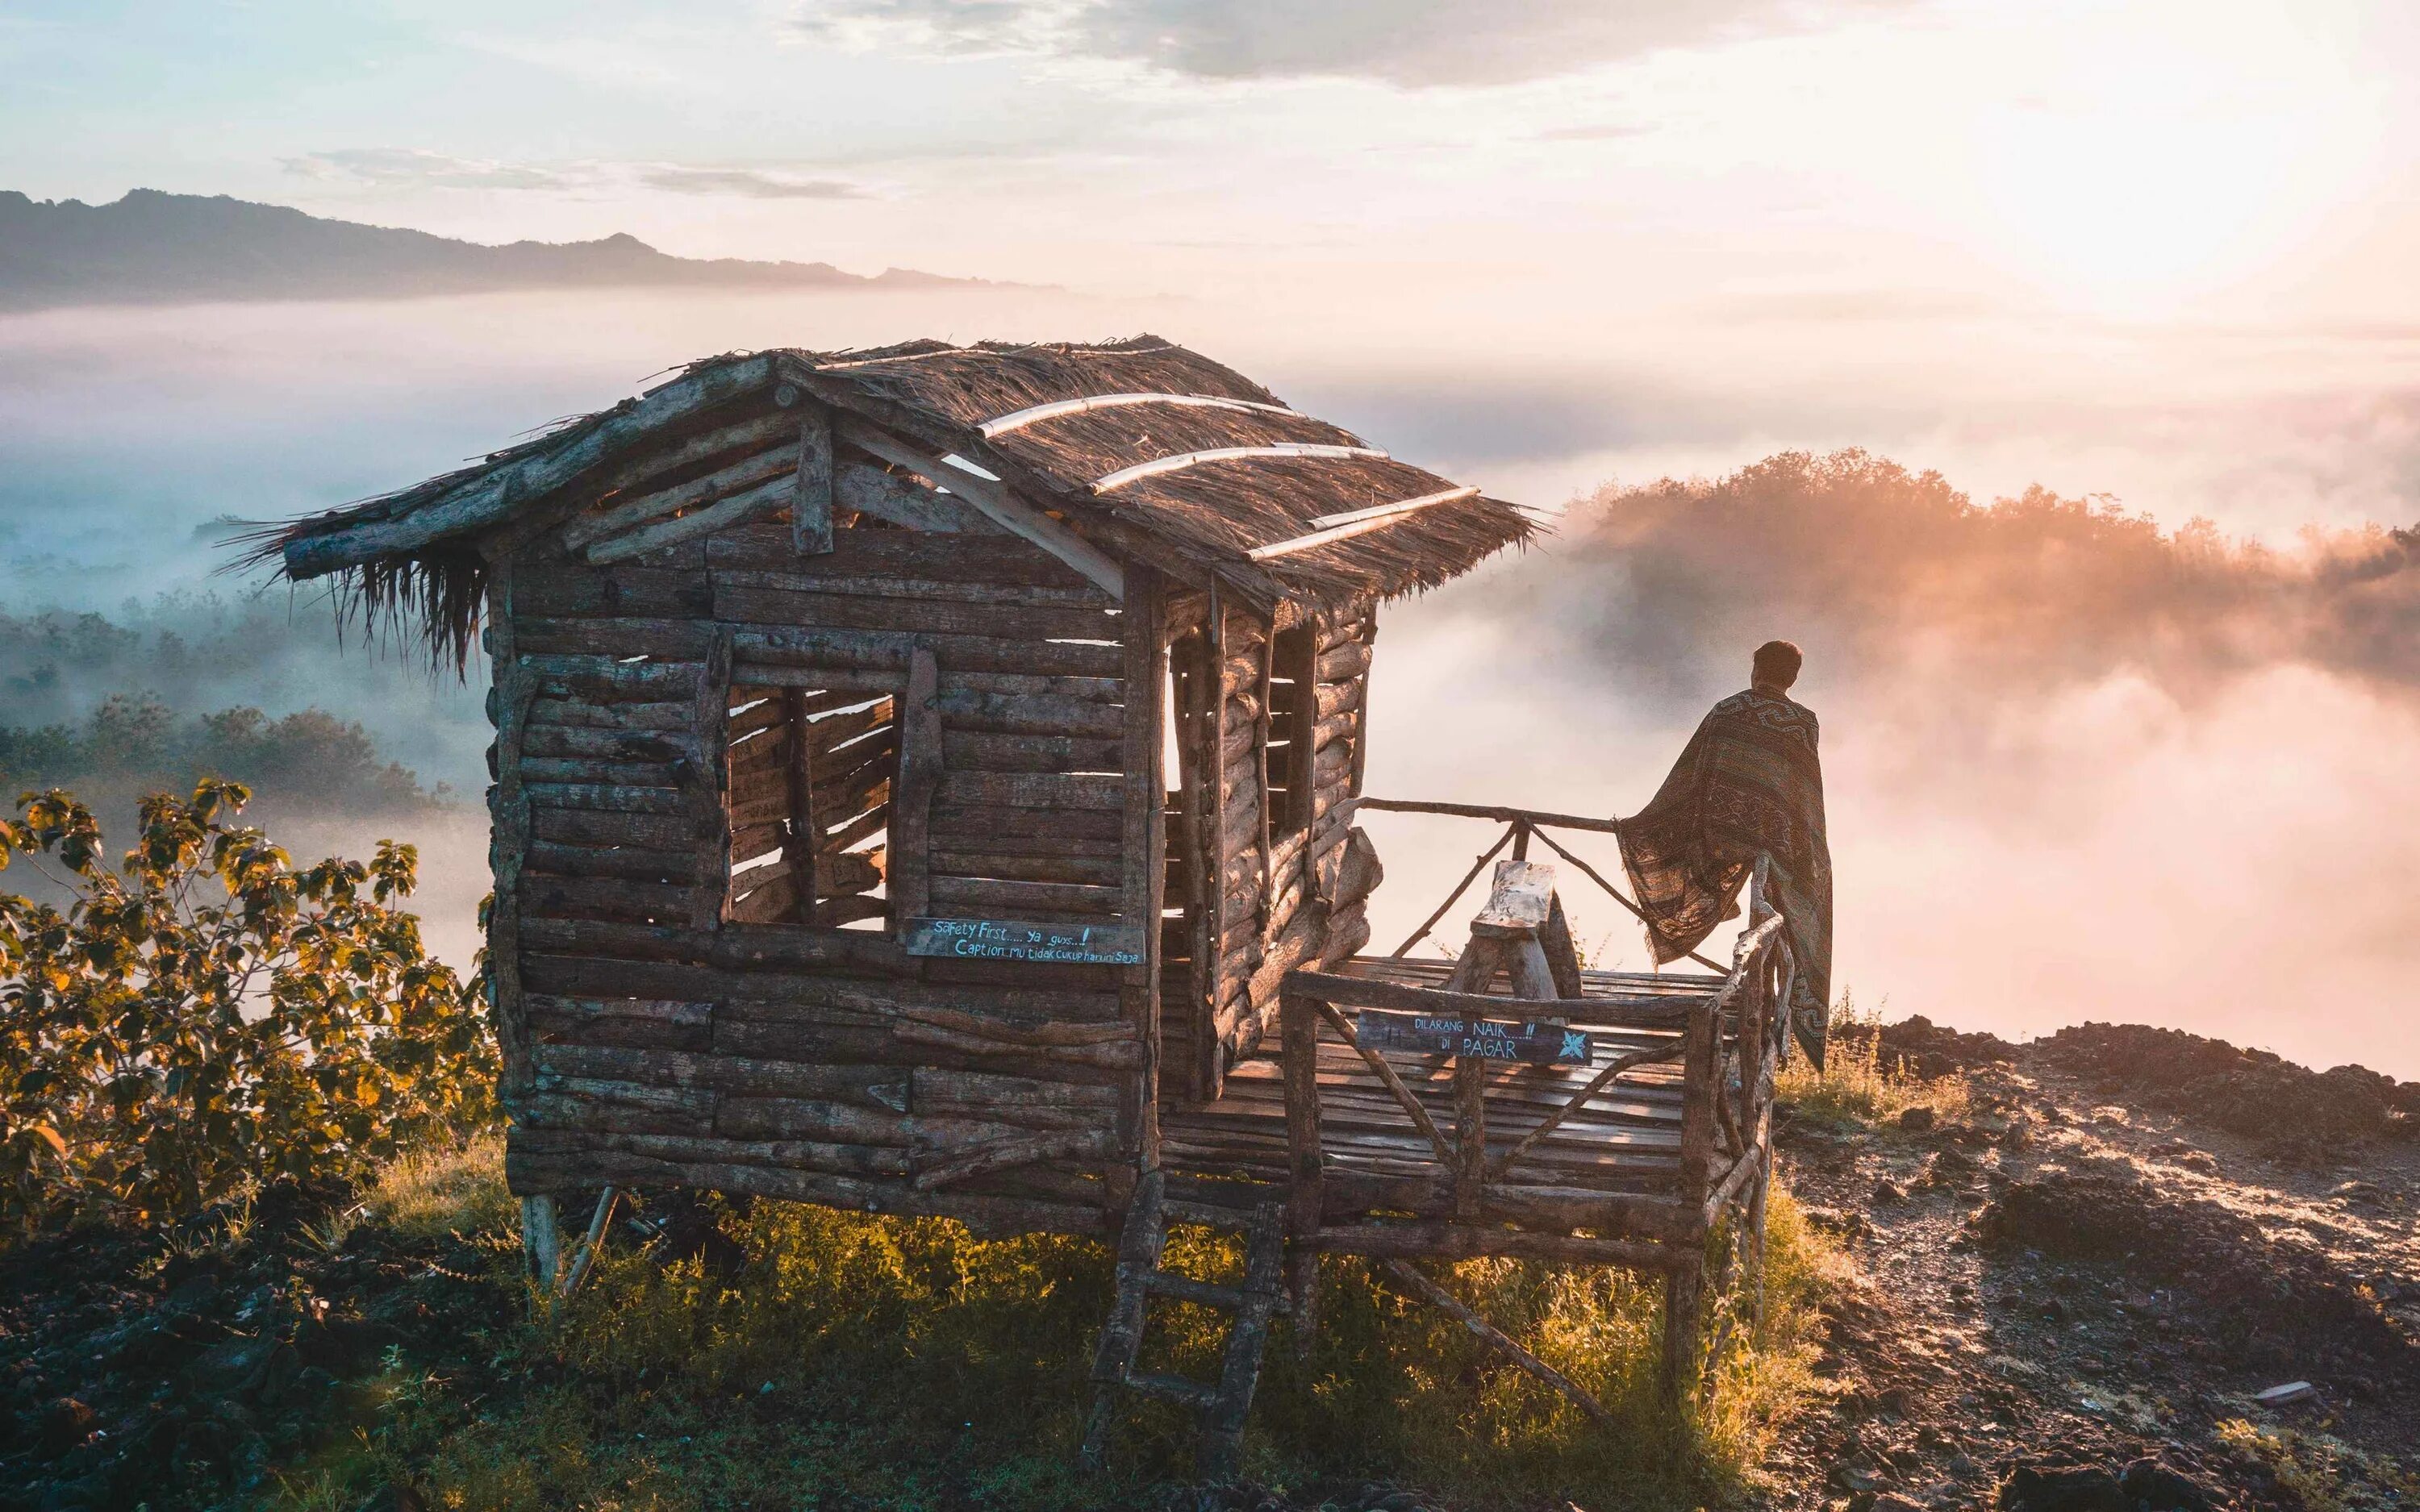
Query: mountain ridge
pixel 151 247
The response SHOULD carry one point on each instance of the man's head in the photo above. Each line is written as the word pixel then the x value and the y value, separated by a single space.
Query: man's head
pixel 1777 666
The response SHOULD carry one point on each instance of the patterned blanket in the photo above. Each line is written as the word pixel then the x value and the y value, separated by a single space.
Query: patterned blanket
pixel 1748 782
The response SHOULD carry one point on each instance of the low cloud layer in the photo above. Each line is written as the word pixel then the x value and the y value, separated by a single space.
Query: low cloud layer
pixel 2078 766
pixel 1410 42
pixel 416 168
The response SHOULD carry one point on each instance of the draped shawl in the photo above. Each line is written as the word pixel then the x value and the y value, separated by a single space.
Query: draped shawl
pixel 1748 783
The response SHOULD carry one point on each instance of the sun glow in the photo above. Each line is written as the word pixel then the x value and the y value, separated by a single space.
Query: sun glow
pixel 2134 178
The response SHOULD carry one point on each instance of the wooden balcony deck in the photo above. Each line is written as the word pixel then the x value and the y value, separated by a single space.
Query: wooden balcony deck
pixel 1624 1139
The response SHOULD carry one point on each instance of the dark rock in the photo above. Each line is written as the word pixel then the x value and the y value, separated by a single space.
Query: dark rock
pixel 2056 1488
pixel 1887 1190
pixel 1918 1119
pixel 2163 1488
pixel 66 1423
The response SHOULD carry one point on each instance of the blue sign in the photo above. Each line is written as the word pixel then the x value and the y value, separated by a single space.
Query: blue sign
pixel 1450 1034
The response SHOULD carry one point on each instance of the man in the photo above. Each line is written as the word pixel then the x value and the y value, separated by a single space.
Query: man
pixel 1749 783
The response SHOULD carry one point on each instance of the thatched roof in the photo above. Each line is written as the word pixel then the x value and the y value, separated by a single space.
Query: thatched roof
pixel 1274 476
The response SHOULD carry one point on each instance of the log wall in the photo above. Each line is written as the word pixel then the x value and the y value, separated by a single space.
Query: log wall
pixel 1288 885
pixel 649 709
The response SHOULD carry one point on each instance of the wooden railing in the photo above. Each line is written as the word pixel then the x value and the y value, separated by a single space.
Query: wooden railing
pixel 1729 1046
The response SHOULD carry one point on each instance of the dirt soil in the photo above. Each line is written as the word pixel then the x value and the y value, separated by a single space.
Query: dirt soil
pixel 2073 1295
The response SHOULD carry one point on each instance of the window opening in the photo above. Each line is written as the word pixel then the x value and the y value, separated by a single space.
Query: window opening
pixel 1294 724
pixel 811 775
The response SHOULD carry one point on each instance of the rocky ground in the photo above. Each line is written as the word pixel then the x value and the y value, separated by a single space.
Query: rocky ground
pixel 2073 1295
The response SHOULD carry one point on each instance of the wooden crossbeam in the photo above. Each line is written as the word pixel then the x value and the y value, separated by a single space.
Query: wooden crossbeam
pixel 1596 1084
pixel 992 497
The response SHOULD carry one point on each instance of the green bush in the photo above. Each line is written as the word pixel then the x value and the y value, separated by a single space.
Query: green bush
pixel 205 1016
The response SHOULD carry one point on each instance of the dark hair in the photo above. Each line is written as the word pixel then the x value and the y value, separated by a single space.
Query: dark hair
pixel 1777 662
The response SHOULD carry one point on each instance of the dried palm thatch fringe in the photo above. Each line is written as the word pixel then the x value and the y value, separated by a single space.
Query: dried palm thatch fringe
pixel 1206 519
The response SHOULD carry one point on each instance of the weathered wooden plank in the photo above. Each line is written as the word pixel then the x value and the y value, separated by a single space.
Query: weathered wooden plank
pixel 1087 599
pixel 610 861
pixel 912 555
pixel 960 894
pixel 1030 714
pixel 605 745
pixel 607 828
pixel 742 604
pixel 581 713
pixel 667 640
pixel 778 645
pixel 603 678
pixel 544 895
pixel 1084 689
pixel 1344 663
pixel 487 497
pixel 963 826
pixel 1032 789
pixel 921 760
pixel 602 1104
pixel 1022 941
pixel 568 590
pixel 612 800
pixel 981 752
pixel 900 500
pixel 760 499
pixel 811 506
pixel 619 516
pixel 642 1022
pixel 1103 871
pixel 596 771
pixel 1005 508
pixel 873 1087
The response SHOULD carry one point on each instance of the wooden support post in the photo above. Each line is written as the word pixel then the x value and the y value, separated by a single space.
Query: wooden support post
pixel 542 1245
pixel 799 848
pixel 1145 843
pixel 909 885
pixel 710 790
pixel 1210 1065
pixel 593 1242
pixel 512 691
pixel 1298 1031
pixel 1469 1130
pixel 1684 1298
pixel 811 511
pixel 1684 1286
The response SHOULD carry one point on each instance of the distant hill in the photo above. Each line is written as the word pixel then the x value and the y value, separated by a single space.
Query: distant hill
pixel 157 247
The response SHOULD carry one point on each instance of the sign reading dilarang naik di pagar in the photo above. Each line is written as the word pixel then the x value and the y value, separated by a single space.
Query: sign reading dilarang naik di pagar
pixel 1002 940
pixel 1446 1034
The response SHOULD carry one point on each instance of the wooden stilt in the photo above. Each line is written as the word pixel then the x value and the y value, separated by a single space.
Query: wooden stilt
pixel 541 1244
pixel 592 1242
pixel 1683 1296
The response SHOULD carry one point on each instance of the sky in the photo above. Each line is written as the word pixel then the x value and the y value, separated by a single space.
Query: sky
pixel 2157 252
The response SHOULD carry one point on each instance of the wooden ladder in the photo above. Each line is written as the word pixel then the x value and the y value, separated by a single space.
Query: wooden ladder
pixel 1220 1409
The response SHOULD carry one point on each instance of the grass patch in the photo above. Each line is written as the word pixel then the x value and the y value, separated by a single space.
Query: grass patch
pixel 446 1189
pixel 1859 1084
pixel 2319 1472
pixel 834 1359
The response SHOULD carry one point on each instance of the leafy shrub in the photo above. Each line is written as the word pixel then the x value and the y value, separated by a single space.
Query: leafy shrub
pixel 207 1015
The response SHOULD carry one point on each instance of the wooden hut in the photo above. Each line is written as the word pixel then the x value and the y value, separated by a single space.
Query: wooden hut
pixel 923 775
